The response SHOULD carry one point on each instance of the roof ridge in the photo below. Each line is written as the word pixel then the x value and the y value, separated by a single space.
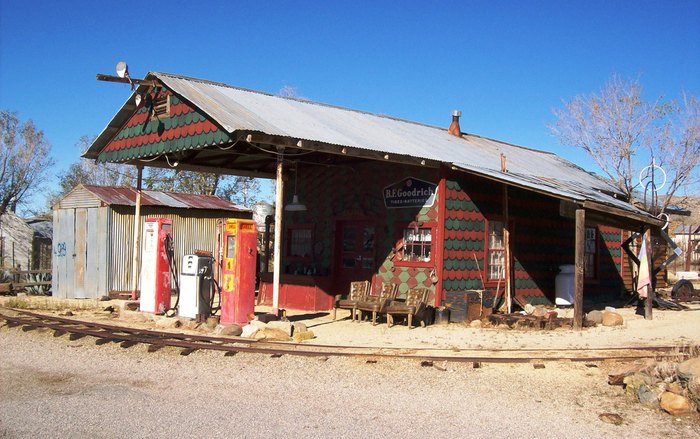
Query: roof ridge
pixel 302 100
pixel 354 110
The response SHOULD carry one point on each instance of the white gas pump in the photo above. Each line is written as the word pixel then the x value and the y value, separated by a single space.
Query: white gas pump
pixel 195 286
pixel 156 279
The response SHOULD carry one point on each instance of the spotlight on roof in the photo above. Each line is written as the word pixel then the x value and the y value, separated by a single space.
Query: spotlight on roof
pixel 122 69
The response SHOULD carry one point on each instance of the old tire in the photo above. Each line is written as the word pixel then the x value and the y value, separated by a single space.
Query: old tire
pixel 682 288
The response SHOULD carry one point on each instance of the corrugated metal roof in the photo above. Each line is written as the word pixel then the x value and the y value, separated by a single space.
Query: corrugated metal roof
pixel 683 229
pixel 236 109
pixel 124 196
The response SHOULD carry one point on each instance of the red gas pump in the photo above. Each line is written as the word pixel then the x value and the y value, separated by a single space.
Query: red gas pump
pixel 155 267
pixel 238 270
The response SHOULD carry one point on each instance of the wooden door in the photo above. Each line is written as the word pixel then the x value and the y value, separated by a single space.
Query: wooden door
pixel 355 253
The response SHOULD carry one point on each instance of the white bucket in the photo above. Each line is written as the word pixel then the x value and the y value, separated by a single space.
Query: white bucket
pixel 564 285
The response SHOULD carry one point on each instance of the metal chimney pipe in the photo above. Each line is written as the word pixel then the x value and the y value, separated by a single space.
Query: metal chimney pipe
pixel 454 128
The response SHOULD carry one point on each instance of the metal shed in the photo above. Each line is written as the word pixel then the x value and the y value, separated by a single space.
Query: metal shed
pixel 94 232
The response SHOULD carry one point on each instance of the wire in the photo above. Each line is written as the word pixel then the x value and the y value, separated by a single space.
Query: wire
pixel 282 153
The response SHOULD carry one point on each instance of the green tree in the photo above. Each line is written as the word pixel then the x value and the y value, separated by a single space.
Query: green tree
pixel 24 160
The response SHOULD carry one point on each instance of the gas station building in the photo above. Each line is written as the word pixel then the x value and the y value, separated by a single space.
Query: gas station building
pixel 371 197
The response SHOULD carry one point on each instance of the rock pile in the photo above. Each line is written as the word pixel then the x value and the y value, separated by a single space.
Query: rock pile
pixel 670 386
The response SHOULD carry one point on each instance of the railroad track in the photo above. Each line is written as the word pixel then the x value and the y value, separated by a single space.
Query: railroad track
pixel 188 343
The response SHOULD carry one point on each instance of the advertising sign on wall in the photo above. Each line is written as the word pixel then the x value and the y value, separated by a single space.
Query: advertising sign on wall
pixel 409 192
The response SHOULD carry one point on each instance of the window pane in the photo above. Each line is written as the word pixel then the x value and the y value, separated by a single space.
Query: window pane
pixel 417 244
pixel 496 251
pixel 300 244
pixel 368 238
pixel 349 239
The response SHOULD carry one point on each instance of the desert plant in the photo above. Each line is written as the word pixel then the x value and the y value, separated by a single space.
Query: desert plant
pixel 39 290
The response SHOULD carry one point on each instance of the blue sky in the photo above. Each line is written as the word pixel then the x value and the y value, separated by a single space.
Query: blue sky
pixel 505 64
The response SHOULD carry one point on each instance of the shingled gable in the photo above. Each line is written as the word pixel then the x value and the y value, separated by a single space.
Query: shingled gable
pixel 214 127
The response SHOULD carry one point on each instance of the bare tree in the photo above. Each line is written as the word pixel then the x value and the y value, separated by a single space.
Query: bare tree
pixel 679 148
pixel 86 171
pixel 241 190
pixel 24 160
pixel 622 132
pixel 182 181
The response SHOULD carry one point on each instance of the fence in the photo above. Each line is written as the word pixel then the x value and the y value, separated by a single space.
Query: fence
pixel 31 281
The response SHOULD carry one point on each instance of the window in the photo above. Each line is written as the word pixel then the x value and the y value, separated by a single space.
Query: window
pixel 161 107
pixel 590 253
pixel 300 242
pixel 496 251
pixel 417 244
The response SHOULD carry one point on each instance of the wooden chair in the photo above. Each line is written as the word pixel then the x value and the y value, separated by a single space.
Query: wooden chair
pixel 377 304
pixel 415 305
pixel 358 291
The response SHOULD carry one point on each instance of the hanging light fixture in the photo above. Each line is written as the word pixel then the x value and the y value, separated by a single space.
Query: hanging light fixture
pixel 295 205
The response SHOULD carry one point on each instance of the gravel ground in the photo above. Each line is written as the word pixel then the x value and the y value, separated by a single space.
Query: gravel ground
pixel 53 387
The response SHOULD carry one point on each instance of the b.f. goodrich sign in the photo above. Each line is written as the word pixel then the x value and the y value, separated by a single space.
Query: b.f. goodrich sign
pixel 409 192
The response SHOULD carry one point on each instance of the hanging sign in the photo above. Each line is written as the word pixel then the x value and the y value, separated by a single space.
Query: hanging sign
pixel 409 192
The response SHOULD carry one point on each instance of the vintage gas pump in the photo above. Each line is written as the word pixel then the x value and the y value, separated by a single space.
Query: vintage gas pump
pixel 238 270
pixel 155 267
pixel 195 286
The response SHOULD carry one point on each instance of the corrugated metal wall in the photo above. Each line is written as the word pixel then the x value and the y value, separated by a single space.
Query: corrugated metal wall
pixel 79 197
pixel 93 246
pixel 80 253
pixel 192 230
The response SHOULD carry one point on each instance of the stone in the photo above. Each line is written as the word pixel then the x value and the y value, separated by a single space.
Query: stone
pixel 249 331
pixel 611 318
pixel 611 418
pixel 303 335
pixel 595 316
pixel 274 334
pixel 675 404
pixel 648 397
pixel 634 381
pixel 258 324
pixel 299 327
pixel 230 330
pixel 212 322
pixel 283 326
pixel 540 311
pixel 167 323
pixel 617 375
pixel 689 369
pixel 675 388
pixel 21 295
pixel 694 389
pixel 475 324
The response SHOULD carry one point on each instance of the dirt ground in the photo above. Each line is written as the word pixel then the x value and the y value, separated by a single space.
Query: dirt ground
pixel 666 328
pixel 54 387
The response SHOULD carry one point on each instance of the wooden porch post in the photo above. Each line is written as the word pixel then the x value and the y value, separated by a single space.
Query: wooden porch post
pixel 279 187
pixel 578 275
pixel 137 235
pixel 506 244
pixel 649 303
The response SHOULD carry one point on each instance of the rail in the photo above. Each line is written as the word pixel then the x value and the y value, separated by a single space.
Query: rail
pixel 128 336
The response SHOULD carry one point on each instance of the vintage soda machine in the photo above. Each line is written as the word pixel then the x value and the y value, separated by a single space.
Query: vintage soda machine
pixel 238 270
pixel 155 266
pixel 196 286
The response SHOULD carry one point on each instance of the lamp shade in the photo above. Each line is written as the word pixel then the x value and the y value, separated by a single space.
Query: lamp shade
pixel 295 205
